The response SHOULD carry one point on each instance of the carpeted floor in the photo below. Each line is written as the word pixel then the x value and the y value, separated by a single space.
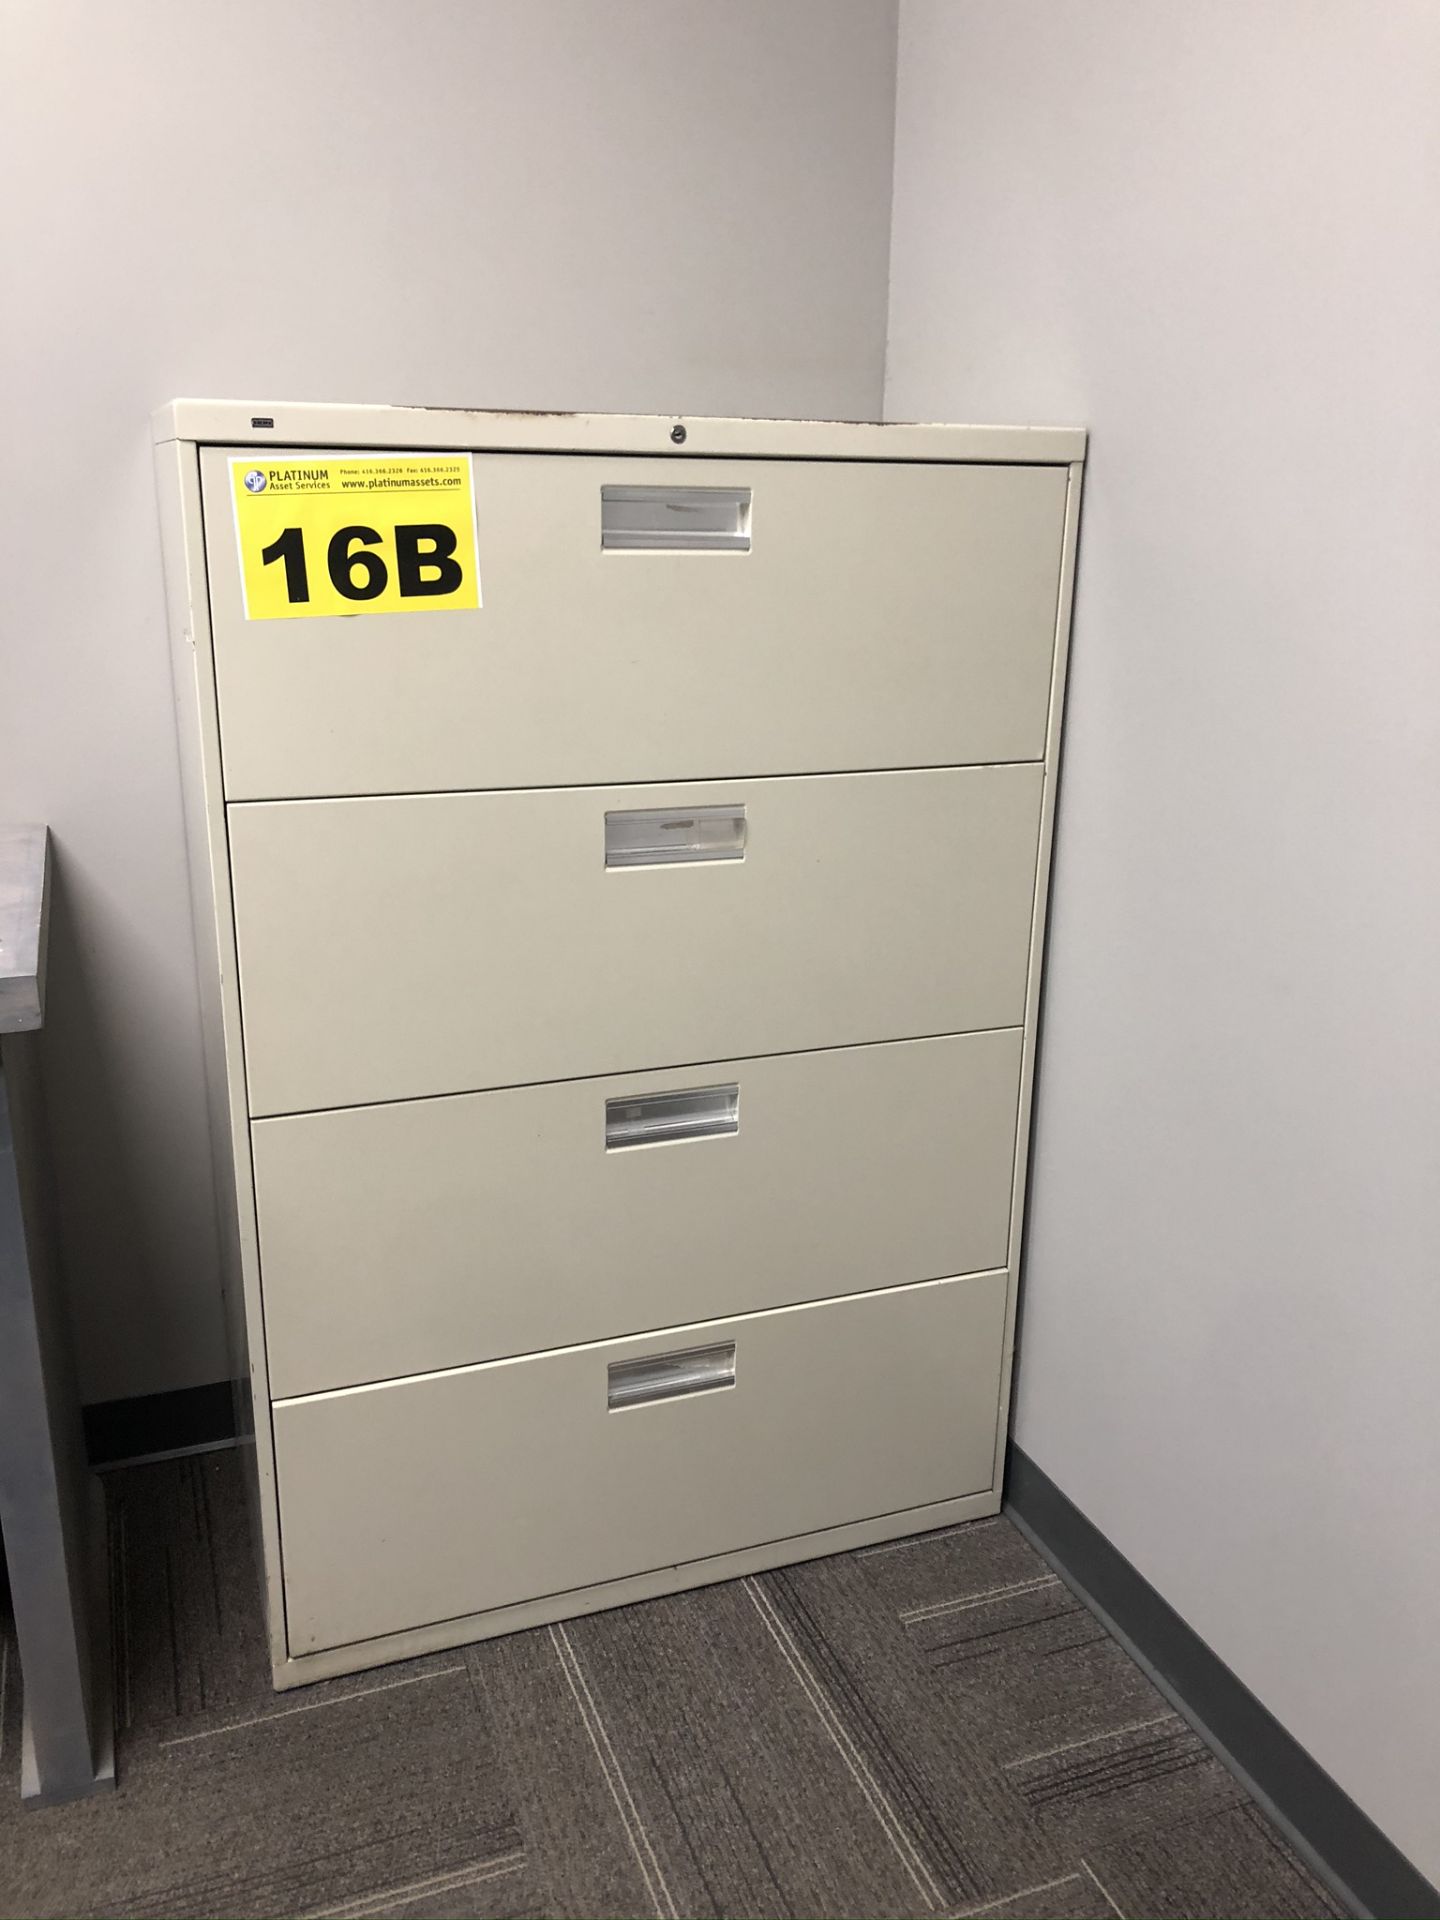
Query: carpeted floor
pixel 933 1727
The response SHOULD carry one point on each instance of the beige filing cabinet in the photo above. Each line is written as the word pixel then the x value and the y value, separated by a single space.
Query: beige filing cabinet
pixel 619 853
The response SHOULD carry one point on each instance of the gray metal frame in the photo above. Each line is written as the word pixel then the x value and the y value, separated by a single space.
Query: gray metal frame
pixel 52 1511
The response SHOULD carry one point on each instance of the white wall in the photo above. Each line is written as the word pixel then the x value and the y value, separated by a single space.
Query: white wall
pixel 647 205
pixel 1211 232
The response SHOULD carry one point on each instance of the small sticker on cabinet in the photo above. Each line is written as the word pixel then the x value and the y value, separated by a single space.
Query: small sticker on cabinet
pixel 324 534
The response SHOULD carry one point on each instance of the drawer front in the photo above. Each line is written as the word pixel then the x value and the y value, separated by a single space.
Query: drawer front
pixel 433 1233
pixel 882 616
pixel 428 944
pixel 424 1500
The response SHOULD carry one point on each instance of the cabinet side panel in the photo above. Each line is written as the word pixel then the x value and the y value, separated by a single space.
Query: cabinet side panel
pixel 1068 550
pixel 207 854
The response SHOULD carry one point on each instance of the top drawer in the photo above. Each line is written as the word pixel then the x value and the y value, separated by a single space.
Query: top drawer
pixel 881 616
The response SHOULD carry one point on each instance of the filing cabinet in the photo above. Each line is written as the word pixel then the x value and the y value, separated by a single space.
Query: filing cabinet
pixel 619 852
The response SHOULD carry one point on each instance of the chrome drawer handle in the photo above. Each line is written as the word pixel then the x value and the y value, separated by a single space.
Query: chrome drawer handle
pixel 688 1113
pixel 675 519
pixel 658 836
pixel 668 1376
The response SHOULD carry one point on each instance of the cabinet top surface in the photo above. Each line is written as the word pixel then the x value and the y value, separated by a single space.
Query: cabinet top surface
pixel 336 426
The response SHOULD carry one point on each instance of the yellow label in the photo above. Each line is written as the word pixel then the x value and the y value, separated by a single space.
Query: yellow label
pixel 324 534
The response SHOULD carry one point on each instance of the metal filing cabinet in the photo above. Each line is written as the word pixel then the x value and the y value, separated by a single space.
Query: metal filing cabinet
pixel 619 852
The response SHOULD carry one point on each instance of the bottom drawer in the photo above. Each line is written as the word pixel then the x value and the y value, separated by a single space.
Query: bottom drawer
pixel 425 1499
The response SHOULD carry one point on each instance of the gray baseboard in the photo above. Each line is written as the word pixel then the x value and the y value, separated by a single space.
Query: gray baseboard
pixel 1340 1842
pixel 153 1425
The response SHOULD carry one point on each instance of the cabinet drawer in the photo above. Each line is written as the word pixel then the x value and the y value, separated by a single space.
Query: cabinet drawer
pixel 882 616
pixel 447 943
pixel 424 1500
pixel 405 1238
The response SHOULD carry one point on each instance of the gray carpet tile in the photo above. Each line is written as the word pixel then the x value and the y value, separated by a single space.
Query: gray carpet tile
pixel 930 1727
pixel 1075 1896
pixel 184 1593
pixel 1208 1868
pixel 730 1793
